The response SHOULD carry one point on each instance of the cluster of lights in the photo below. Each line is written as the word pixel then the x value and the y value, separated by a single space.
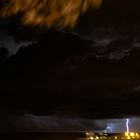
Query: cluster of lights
pixel 104 136
pixel 92 136
pixel 131 135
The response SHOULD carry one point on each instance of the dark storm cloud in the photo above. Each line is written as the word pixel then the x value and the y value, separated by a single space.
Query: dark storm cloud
pixel 86 73
pixel 111 43
pixel 11 122
pixel 52 76
pixel 8 42
pixel 119 12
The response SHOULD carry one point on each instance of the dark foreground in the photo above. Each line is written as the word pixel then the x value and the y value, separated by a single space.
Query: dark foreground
pixel 70 136
pixel 41 136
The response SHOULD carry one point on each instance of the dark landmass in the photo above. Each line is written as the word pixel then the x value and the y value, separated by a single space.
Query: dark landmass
pixel 42 136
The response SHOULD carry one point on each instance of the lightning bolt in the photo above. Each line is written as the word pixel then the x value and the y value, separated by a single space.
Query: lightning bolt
pixel 127 125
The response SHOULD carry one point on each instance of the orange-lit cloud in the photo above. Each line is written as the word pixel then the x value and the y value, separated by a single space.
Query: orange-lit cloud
pixel 64 13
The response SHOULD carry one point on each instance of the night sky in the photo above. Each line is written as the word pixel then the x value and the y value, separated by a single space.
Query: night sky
pixel 91 71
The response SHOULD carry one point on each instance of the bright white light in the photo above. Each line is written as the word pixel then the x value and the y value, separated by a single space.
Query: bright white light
pixel 127 126
pixel 97 138
pixel 91 138
pixel 108 129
